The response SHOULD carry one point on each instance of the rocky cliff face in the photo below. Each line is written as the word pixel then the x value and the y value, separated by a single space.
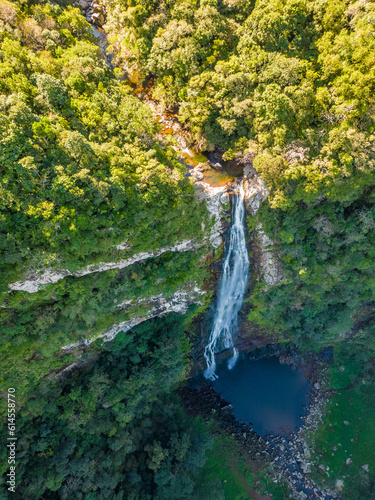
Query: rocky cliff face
pixel 217 201
pixel 264 266
pixel 255 189
pixel 158 306
pixel 33 282
pixel 269 264
pixel 264 261
pixel 265 258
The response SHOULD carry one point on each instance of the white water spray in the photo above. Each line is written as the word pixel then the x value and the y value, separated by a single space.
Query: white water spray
pixel 233 284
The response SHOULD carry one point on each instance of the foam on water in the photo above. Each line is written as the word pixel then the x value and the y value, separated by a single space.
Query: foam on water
pixel 232 288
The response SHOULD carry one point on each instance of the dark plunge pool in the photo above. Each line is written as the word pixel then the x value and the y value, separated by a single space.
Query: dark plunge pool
pixel 266 393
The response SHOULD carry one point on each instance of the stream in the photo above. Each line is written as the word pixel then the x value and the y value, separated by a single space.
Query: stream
pixel 263 392
pixel 216 173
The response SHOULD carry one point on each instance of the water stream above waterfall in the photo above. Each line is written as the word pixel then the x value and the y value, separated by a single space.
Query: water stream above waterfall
pixel 232 289
pixel 215 173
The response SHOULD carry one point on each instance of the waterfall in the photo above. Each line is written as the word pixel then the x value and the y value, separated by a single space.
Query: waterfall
pixel 232 288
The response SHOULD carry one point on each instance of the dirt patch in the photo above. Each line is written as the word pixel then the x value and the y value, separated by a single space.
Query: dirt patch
pixel 253 494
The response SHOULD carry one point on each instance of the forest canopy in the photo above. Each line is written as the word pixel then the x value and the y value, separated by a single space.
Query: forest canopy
pixel 86 177
pixel 285 87
pixel 290 83
pixel 288 87
pixel 83 165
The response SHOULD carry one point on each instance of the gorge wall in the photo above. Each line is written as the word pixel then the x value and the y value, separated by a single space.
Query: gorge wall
pixel 265 267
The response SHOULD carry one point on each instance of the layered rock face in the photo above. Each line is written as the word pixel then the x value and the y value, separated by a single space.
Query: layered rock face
pixel 255 189
pixel 217 201
pixel 35 281
pixel 159 306
pixel 270 265
pixel 256 192
pixel 264 264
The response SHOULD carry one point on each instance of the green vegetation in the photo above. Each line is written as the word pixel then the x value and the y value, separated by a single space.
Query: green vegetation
pixel 37 326
pixel 82 166
pixel 345 442
pixel 284 86
pixel 225 476
pixel 112 429
pixel 84 169
pixel 287 87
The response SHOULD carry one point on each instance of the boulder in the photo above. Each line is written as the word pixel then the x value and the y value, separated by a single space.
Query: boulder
pixel 84 5
pixel 98 18
pixel 197 175
pixel 306 467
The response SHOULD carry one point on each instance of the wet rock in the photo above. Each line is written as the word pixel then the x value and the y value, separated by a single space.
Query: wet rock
pixel 306 467
pixel 97 7
pixel 197 175
pixel 217 241
pixel 216 200
pixel 292 359
pixel 301 496
pixel 227 407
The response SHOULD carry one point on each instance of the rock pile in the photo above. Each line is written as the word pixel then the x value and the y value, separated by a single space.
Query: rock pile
pixel 204 401
pixel 94 12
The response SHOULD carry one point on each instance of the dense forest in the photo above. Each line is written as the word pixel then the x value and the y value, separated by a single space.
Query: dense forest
pixel 88 178
pixel 289 87
pixel 74 188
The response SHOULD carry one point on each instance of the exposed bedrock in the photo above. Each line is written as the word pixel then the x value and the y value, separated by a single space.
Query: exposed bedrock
pixel 34 281
pixel 158 306
pixel 265 267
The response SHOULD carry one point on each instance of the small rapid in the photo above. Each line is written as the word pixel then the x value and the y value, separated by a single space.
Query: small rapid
pixel 232 288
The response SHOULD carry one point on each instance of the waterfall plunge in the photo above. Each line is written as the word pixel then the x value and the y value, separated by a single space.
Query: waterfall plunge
pixel 233 284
